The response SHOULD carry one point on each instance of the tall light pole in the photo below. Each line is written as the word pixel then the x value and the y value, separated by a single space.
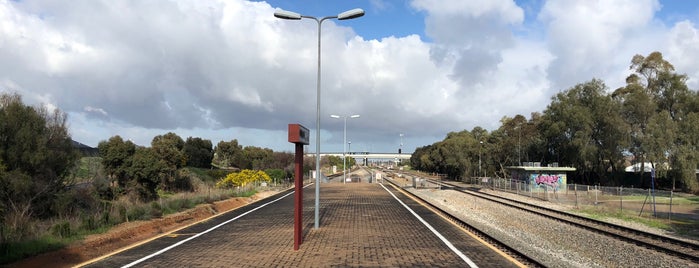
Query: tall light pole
pixel 479 157
pixel 349 147
pixel 344 140
pixel 400 149
pixel 288 15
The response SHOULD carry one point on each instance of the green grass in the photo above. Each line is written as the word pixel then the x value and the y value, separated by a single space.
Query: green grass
pixel 694 200
pixel 247 193
pixel 18 250
pixel 633 197
pixel 208 175
pixel 87 168
pixel 659 199
pixel 63 233
pixel 662 224
pixel 199 172
pixel 14 251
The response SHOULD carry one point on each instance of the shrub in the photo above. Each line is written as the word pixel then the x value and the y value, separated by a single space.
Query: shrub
pixel 156 210
pixel 243 178
pixel 218 173
pixel 88 222
pixel 183 181
pixel 137 213
pixel 61 229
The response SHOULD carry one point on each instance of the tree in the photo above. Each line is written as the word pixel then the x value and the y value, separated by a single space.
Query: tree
pixel 147 171
pixel 420 159
pixel 283 160
pixel 508 141
pixel 277 175
pixel 334 161
pixel 36 155
pixel 226 153
pixel 255 158
pixel 456 152
pixel 169 148
pixel 684 160
pixel 582 128
pixel 116 158
pixel 199 152
pixel 456 155
pixel 657 105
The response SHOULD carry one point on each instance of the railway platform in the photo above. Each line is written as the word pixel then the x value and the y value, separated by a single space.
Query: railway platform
pixel 360 225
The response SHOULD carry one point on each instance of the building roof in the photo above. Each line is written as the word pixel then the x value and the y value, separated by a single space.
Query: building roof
pixel 530 168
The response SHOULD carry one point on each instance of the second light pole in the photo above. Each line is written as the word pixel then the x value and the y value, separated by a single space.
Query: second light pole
pixel 344 141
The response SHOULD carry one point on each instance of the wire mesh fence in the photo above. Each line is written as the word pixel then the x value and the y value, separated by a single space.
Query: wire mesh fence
pixel 633 201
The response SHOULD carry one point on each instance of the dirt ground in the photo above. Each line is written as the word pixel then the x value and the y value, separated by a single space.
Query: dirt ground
pixel 130 233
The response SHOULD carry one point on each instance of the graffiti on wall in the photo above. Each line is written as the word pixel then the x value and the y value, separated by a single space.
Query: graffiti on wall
pixel 551 181
pixel 547 179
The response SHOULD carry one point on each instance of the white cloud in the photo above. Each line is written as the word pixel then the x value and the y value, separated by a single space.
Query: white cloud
pixel 224 70
pixel 587 37
pixel 506 10
pixel 683 50
pixel 91 109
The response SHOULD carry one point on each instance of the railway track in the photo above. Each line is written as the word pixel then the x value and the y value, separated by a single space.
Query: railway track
pixel 512 252
pixel 666 245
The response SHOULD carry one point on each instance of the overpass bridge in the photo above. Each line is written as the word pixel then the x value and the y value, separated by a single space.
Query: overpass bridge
pixel 367 155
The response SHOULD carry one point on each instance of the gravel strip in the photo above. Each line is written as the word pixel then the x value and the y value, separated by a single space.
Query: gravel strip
pixel 553 243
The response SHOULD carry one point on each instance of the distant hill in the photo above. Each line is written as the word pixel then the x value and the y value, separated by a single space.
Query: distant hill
pixel 85 150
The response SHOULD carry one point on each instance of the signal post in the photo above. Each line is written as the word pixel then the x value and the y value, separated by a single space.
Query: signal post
pixel 298 135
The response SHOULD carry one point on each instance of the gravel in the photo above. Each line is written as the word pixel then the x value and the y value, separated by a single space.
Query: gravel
pixel 553 243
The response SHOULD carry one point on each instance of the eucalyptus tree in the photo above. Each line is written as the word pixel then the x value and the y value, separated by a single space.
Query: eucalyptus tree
pixel 659 108
pixel 457 155
pixel 517 140
pixel 676 136
pixel 456 151
pixel 582 128
pixel 421 160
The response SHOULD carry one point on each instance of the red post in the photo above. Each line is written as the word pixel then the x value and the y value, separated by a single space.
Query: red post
pixel 298 135
pixel 298 196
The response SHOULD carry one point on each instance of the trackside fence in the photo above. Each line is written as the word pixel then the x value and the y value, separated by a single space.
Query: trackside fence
pixel 640 202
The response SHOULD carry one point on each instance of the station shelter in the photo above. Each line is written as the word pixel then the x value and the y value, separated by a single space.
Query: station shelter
pixel 540 178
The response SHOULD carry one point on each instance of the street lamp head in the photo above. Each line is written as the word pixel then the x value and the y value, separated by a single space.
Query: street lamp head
pixel 354 116
pixel 350 14
pixel 334 116
pixel 287 15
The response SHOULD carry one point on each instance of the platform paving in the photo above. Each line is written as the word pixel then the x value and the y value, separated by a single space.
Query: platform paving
pixel 361 225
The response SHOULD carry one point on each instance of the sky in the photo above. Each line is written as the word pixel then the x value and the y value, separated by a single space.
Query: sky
pixel 413 70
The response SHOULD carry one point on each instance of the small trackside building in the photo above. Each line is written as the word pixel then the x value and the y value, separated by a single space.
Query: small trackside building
pixel 550 178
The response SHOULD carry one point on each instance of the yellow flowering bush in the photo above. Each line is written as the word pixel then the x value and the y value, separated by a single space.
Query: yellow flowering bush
pixel 243 178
